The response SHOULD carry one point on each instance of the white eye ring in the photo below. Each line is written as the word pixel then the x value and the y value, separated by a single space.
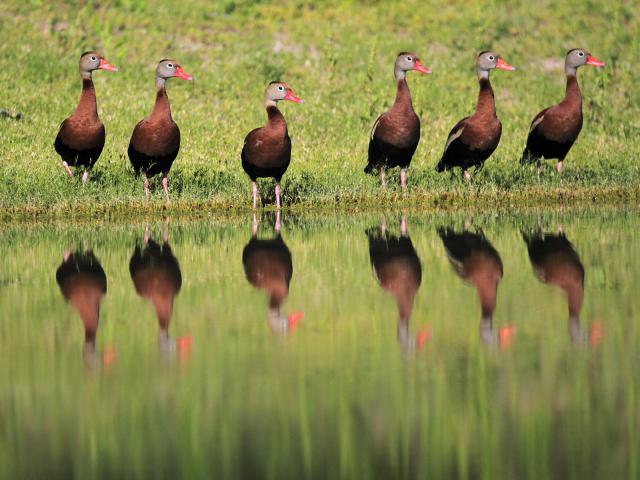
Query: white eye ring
pixel 93 58
pixel 170 65
pixel 280 87
pixel 491 57
pixel 581 54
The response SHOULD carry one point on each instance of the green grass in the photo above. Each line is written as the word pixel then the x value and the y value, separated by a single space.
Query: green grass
pixel 338 56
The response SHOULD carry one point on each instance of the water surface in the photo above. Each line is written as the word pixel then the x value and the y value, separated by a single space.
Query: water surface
pixel 376 345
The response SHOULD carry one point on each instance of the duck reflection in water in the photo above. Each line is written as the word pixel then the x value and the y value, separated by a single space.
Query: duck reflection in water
pixel 396 267
pixel 157 277
pixel 268 266
pixel 555 262
pixel 83 284
pixel 477 262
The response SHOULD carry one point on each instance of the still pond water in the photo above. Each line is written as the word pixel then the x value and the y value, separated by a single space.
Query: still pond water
pixel 370 345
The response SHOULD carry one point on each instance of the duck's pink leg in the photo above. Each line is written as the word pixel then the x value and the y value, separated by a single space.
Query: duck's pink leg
pixel 278 195
pixel 467 176
pixel 145 183
pixel 254 186
pixel 403 179
pixel 403 226
pixel 165 185
pixel 559 166
pixel 85 176
pixel 67 169
pixel 278 224
pixel 383 180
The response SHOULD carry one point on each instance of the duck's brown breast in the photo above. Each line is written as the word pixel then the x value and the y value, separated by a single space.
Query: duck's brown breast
pixel 156 137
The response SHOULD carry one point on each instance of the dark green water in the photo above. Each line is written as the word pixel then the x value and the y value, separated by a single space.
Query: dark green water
pixel 468 347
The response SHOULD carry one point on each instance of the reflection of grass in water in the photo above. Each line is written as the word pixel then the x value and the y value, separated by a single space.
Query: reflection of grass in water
pixel 336 399
pixel 339 58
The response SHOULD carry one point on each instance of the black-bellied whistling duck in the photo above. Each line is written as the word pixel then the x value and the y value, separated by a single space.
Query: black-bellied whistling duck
pixel 555 262
pixel 397 269
pixel 268 266
pixel 155 141
pixel 554 129
pixel 477 262
pixel 473 139
pixel 83 283
pixel 396 133
pixel 81 136
pixel 266 152
pixel 156 275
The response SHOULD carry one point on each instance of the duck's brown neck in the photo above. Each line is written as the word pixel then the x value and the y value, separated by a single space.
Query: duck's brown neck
pixel 403 95
pixel 486 104
pixel 276 119
pixel 572 95
pixel 161 109
pixel 87 106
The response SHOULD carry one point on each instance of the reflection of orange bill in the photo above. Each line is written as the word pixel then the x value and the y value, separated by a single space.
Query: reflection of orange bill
pixel 506 335
pixel 294 319
pixel 422 337
pixel 596 333
pixel 108 355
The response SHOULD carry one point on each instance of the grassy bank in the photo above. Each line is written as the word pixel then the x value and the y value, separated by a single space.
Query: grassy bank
pixel 338 57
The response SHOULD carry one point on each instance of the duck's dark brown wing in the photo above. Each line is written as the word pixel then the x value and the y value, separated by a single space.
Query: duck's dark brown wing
pixel 453 148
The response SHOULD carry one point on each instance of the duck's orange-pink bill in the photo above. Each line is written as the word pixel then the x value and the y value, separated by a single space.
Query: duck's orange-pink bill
pixel 502 65
pixel 291 96
pixel 180 73
pixel 421 68
pixel 104 65
pixel 594 61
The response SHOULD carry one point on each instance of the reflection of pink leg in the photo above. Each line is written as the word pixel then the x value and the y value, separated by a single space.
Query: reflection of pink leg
pixel 165 185
pixel 254 186
pixel 146 234
pixel 85 176
pixel 145 183
pixel 165 237
pixel 403 226
pixel 383 180
pixel 278 195
pixel 383 226
pixel 278 224
pixel 403 179
pixel 67 169
pixel 559 166
pixel 254 231
pixel 67 254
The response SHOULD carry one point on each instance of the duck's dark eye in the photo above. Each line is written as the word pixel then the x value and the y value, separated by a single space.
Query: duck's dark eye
pixel 93 58
pixel 409 59
pixel 281 88
pixel 491 57
pixel 581 54
pixel 170 65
